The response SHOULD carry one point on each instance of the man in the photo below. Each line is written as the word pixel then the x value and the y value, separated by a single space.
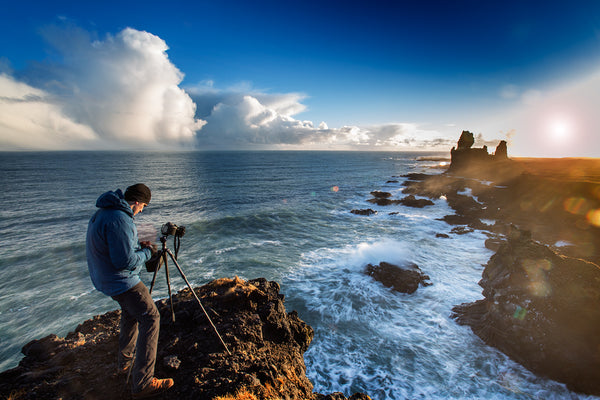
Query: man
pixel 115 259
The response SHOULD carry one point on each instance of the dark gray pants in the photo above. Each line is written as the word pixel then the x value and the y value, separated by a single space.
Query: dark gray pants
pixel 138 313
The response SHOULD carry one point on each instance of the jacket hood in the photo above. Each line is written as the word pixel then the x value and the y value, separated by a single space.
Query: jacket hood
pixel 114 200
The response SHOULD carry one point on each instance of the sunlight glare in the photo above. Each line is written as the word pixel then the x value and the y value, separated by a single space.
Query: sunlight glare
pixel 560 130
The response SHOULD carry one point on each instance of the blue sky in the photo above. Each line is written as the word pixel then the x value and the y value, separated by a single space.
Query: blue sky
pixel 357 75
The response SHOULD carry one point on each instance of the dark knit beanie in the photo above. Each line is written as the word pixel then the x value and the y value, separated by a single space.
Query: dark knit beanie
pixel 138 192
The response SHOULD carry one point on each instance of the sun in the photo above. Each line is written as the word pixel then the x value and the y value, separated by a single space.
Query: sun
pixel 560 129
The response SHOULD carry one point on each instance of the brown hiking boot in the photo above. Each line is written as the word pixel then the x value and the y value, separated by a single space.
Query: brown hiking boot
pixel 156 386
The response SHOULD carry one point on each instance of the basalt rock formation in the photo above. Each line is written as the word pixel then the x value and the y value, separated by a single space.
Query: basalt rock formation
pixel 266 342
pixel 406 279
pixel 464 156
pixel 541 309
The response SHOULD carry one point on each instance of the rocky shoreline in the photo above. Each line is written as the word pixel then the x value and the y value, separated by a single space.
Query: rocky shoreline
pixel 541 289
pixel 267 345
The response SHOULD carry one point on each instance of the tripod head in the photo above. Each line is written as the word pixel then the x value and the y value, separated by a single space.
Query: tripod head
pixel 168 229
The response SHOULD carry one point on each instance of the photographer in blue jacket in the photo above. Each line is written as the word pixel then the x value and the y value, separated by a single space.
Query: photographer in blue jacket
pixel 115 259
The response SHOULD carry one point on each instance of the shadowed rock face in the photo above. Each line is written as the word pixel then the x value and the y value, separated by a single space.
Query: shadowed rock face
pixel 266 342
pixel 542 310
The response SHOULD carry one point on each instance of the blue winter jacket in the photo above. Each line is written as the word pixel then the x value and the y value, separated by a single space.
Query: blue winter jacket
pixel 113 253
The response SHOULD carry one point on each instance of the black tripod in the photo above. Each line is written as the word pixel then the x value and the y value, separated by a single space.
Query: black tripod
pixel 163 254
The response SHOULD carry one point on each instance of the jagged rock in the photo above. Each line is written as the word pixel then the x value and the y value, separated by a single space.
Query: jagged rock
pixel 541 309
pixel 442 235
pixel 266 342
pixel 465 141
pixel 465 158
pixel 412 201
pixel 404 279
pixel 367 212
pixel 501 150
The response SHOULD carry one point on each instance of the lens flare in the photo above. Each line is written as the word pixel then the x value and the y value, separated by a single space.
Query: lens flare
pixel 576 205
pixel 536 272
pixel 335 189
pixel 520 313
pixel 593 217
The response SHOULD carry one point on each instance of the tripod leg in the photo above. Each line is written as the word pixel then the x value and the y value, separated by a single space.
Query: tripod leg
pixel 169 287
pixel 153 279
pixel 197 299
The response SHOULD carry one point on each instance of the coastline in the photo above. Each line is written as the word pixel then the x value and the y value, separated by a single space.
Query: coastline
pixel 541 289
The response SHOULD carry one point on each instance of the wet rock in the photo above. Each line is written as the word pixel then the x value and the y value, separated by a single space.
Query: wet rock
pixel 542 310
pixel 442 235
pixel 367 212
pixel 381 201
pixel 405 279
pixel 379 194
pixel 412 201
pixel 461 230
pixel 267 345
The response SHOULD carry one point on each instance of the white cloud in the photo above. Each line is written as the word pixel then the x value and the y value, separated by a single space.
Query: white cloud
pixel 244 119
pixel 29 119
pixel 123 90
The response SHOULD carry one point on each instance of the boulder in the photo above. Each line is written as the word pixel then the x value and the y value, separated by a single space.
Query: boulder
pixel 405 279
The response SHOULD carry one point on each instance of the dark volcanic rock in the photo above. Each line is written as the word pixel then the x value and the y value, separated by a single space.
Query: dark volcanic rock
pixel 404 279
pixel 367 211
pixel 412 201
pixel 382 201
pixel 266 342
pixel 464 157
pixel 379 194
pixel 542 310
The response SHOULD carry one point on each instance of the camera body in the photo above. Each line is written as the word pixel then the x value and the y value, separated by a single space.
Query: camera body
pixel 171 229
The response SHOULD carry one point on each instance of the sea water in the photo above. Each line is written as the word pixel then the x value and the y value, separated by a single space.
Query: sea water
pixel 284 216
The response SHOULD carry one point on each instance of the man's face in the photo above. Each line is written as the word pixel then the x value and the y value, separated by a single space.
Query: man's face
pixel 138 207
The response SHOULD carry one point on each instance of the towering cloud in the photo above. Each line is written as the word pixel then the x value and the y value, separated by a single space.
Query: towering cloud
pixel 122 91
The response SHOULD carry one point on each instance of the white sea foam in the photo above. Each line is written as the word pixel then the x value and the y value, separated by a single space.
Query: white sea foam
pixel 397 346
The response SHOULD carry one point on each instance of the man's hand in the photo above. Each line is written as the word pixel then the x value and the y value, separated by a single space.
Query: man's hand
pixel 149 245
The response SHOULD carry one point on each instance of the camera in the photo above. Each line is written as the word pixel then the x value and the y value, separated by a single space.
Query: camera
pixel 171 229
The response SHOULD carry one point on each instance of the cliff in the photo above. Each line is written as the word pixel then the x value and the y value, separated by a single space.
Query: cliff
pixel 541 304
pixel 541 309
pixel 266 342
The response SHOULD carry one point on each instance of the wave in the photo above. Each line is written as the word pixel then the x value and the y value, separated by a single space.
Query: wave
pixel 392 345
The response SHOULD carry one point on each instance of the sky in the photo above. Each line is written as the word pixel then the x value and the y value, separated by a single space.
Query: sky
pixel 301 75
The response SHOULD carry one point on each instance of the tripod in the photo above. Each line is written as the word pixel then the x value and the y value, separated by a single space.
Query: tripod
pixel 163 253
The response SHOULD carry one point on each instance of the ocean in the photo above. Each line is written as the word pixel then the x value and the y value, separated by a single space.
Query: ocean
pixel 284 216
